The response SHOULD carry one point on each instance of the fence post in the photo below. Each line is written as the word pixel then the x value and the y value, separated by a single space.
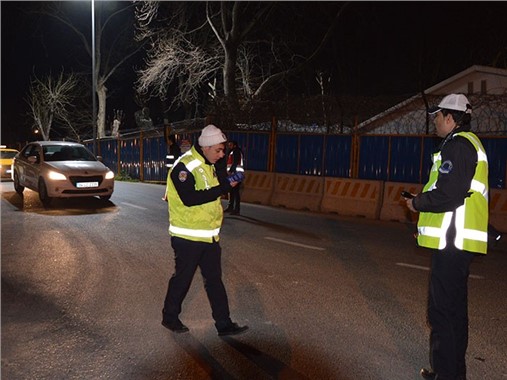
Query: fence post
pixel 141 157
pixel 354 152
pixel 118 153
pixel 272 145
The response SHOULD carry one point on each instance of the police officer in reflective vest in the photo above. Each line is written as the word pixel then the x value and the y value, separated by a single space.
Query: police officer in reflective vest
pixel 174 152
pixel 195 217
pixel 234 165
pixel 453 223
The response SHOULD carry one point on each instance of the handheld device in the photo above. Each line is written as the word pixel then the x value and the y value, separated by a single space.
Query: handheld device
pixel 406 194
pixel 236 177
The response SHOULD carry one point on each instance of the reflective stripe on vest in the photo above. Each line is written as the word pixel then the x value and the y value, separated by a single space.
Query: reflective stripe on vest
pixel 193 232
pixel 470 219
pixel 170 159
pixel 466 233
pixel 230 160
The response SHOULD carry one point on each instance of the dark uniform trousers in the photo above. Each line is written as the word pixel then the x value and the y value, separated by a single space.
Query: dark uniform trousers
pixel 189 255
pixel 235 198
pixel 448 311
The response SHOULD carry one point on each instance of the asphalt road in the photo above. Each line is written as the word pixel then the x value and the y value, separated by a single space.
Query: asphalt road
pixel 326 297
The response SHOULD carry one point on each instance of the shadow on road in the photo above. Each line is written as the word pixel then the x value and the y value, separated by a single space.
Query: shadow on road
pixel 273 367
pixel 202 357
pixel 274 226
pixel 65 206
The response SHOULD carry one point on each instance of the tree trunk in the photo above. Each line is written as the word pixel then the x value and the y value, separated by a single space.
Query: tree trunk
pixel 101 112
pixel 230 77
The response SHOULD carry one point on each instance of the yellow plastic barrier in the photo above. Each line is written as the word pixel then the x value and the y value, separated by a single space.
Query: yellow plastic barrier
pixel 498 209
pixel 394 207
pixel 298 192
pixel 370 199
pixel 352 197
pixel 258 187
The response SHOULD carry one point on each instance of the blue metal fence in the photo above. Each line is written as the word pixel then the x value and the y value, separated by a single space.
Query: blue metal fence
pixel 405 160
pixel 337 161
pixel 386 158
pixel 374 157
pixel 154 159
pixel 287 154
pixel 496 149
pixel 130 157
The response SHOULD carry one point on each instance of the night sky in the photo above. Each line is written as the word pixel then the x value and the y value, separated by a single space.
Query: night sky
pixel 378 49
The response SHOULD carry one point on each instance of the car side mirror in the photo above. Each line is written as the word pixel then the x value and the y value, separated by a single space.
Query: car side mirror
pixel 99 158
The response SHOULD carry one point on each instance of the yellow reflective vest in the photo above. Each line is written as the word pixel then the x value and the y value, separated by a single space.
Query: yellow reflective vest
pixel 470 219
pixel 199 222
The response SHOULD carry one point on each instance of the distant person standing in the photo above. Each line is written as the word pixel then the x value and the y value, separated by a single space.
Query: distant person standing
pixel 453 223
pixel 234 165
pixel 173 151
pixel 195 219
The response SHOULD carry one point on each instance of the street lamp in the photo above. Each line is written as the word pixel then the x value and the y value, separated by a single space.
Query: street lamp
pixel 94 84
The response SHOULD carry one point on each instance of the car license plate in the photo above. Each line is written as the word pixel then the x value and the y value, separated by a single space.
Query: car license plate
pixel 87 184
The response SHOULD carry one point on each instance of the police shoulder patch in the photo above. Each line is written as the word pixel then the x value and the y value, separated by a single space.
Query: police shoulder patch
pixel 182 176
pixel 446 167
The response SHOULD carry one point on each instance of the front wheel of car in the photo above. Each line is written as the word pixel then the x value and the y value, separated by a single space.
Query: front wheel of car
pixel 19 189
pixel 43 193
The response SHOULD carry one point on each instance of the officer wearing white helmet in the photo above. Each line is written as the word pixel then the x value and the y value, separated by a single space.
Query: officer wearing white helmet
pixel 453 223
pixel 195 217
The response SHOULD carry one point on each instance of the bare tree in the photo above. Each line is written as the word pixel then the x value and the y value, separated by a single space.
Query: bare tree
pixel 50 99
pixel 251 60
pixel 112 49
pixel 183 55
pixel 323 79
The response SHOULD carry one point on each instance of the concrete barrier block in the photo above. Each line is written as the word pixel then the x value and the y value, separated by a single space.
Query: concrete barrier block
pixel 258 187
pixel 352 197
pixel 498 209
pixel 394 207
pixel 298 192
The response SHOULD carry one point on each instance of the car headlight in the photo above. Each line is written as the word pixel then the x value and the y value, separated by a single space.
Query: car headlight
pixel 55 176
pixel 109 175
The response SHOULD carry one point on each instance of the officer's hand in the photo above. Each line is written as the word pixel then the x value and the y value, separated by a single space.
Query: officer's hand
pixel 225 187
pixel 410 205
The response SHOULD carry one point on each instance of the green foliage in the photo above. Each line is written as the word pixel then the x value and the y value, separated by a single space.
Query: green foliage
pixel 124 176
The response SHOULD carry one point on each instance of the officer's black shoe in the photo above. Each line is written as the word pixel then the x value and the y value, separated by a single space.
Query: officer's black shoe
pixel 428 374
pixel 228 209
pixel 175 326
pixel 235 212
pixel 232 329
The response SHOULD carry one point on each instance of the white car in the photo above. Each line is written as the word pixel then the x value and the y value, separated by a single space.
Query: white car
pixel 61 169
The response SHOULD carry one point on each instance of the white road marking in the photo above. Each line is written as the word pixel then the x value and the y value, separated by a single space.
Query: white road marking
pixel 135 206
pixel 293 243
pixel 427 269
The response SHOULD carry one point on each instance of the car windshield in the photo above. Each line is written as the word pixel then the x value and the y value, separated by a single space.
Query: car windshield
pixel 7 154
pixel 67 153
